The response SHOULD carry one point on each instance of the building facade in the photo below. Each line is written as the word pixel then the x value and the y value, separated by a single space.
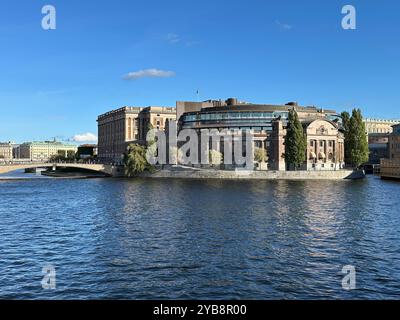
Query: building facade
pixel 325 140
pixel 378 145
pixel 120 127
pixel 86 151
pixel 380 126
pixel 44 150
pixel 325 145
pixel 390 167
pixel 6 151
pixel 394 143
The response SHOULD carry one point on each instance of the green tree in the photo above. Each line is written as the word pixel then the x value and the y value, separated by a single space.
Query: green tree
pixel 151 138
pixel 216 157
pixel 356 141
pixel 346 128
pixel 135 160
pixel 260 155
pixel 295 141
pixel 71 155
pixel 57 158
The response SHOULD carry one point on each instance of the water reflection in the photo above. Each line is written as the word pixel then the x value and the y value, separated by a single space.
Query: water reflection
pixel 138 238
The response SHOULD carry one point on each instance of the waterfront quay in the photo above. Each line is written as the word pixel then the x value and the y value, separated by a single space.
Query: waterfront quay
pixel 181 172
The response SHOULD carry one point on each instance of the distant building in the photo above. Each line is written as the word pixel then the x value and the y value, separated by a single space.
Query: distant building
pixel 118 128
pixel 6 151
pixel 378 131
pixel 325 141
pixel 378 144
pixel 373 126
pixel 16 151
pixel 390 168
pixel 44 150
pixel 394 143
pixel 87 151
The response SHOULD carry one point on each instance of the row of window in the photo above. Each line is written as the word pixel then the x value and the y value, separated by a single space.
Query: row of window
pixel 233 116
pixel 322 143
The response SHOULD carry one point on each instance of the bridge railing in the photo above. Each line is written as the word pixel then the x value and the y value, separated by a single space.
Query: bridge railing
pixel 27 162
pixel 14 163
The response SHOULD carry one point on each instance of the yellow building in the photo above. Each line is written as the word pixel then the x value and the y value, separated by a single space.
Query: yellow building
pixel 44 150
pixel 390 168
pixel 325 145
pixel 6 151
pixel 379 125
pixel 394 143
pixel 118 128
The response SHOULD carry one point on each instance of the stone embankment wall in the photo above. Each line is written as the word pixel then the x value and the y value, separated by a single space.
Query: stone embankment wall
pixel 264 175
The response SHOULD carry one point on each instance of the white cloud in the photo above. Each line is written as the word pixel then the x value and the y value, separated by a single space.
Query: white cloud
pixel 283 26
pixel 85 137
pixel 172 38
pixel 148 73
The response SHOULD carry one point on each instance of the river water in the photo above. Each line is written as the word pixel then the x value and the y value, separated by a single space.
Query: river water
pixel 188 239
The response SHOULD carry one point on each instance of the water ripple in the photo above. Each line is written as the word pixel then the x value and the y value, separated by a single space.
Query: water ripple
pixel 144 239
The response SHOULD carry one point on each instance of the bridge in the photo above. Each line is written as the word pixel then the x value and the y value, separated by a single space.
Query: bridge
pixel 102 168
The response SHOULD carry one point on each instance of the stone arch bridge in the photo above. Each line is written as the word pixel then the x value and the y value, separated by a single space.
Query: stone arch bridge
pixel 107 169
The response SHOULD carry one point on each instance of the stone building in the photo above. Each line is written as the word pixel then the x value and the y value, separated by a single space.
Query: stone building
pixel 379 125
pixel 268 122
pixel 118 128
pixel 390 168
pixel 6 151
pixel 378 145
pixel 394 143
pixel 325 145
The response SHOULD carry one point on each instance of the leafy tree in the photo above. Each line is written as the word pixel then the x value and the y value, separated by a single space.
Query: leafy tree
pixel 346 127
pixel 260 155
pixel 216 157
pixel 356 141
pixel 346 120
pixel 71 155
pixel 295 141
pixel 151 138
pixel 57 157
pixel 135 160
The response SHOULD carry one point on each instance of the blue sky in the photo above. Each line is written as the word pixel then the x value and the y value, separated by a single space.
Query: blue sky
pixel 55 83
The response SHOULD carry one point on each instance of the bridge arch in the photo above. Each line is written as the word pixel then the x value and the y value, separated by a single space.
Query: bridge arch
pixel 102 168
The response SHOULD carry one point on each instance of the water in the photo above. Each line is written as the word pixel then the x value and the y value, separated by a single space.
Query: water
pixel 159 239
